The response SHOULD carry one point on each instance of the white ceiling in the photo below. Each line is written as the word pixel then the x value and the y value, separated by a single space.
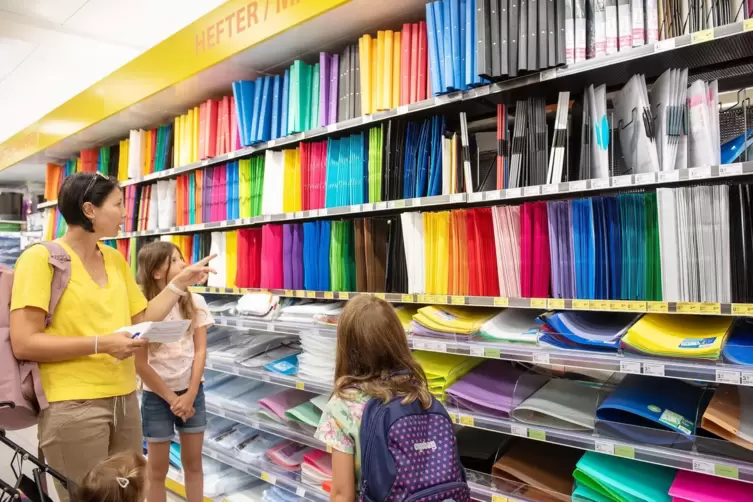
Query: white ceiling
pixel 50 50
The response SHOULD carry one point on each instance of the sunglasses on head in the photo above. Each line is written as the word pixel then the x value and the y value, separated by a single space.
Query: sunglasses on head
pixel 90 186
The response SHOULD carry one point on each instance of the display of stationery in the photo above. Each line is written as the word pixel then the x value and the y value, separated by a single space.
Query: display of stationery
pixel 678 336
pixel 586 330
pixel 616 478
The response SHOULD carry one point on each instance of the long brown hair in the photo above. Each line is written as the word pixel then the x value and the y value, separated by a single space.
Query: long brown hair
pixel 373 354
pixel 151 258
pixel 120 478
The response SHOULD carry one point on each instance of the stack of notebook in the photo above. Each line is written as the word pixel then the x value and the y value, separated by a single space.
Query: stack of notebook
pixel 317 362
pixel 306 415
pixel 487 389
pixel 316 468
pixel 288 455
pixel 512 326
pixel 699 337
pixel 449 322
pixel 273 407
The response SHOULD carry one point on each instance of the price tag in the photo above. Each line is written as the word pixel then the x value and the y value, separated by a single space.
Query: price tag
pixel 666 176
pixel 703 467
pixel 477 351
pixel 492 353
pixel 380 206
pixel 458 197
pixel 664 45
pixel 642 179
pixel 550 189
pixel 581 305
pixel 416 202
pixel 398 204
pixel 730 169
pixel 556 303
pixel 466 420
pixel 630 367
pixel 604 447
pixel 531 191
pixel 453 417
pixel 494 195
pixel 710 308
pixel 600 183
pixel 747 379
pixel 548 74
pixel 741 308
pixel 622 181
pixel 662 307
pixel 329 449
pixel 355 208
pixel 266 378
pixel 329 295
pixel 406 298
pixel 728 376
pixel 687 308
pixel 288 292
pixel 512 193
pixel 699 173
pixel 300 491
pixel 271 326
pixel 379 295
pixel 537 434
pixel 599 305
pixel 501 302
pixel 265 476
pixel 367 119
pixel 538 303
pixel 727 471
pixel 402 110
pixel 457 300
pixel 577 186
pixel 430 346
pixel 311 294
pixel 499 498
pixel 476 197
pixel 519 430
pixel 624 451
pixel 702 36
pixel 541 358
pixel 653 369
pixel 332 128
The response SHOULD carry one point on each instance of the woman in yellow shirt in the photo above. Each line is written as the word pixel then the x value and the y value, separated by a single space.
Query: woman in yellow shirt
pixel 87 371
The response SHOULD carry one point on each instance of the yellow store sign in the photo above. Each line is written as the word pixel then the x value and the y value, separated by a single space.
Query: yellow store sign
pixel 227 30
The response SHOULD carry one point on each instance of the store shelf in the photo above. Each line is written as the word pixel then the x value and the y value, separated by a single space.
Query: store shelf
pixel 265 376
pixel 176 484
pixel 572 188
pixel 482 487
pixel 705 308
pixel 268 473
pixel 685 459
pixel 46 204
pixel 711 371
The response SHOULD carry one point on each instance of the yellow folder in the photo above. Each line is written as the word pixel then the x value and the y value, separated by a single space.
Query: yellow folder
pixel 387 75
pixel 364 49
pixel 231 257
pixel 380 70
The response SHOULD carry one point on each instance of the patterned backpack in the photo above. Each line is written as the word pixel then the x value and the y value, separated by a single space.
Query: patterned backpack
pixel 20 383
pixel 409 454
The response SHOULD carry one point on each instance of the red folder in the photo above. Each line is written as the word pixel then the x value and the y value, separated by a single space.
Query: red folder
pixel 414 63
pixel 405 64
pixel 422 73
pixel 305 177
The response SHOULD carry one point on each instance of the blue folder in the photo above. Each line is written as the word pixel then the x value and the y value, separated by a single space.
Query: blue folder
pixel 276 105
pixel 265 113
pixel 738 348
pixel 284 129
pixel 431 34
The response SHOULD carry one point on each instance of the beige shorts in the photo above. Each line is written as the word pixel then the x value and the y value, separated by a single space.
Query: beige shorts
pixel 77 435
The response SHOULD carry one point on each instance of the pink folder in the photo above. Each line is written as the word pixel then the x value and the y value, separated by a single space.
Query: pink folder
pixel 694 487
pixel 288 455
pixel 281 402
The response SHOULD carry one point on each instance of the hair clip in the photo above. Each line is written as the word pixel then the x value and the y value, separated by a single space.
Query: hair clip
pixel 123 482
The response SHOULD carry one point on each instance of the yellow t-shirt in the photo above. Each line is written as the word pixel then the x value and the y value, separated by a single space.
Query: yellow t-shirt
pixel 85 309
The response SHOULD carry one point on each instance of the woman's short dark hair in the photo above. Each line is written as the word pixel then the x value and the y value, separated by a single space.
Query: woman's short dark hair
pixel 79 189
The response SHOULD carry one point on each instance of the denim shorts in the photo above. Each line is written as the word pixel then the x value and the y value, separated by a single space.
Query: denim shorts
pixel 159 423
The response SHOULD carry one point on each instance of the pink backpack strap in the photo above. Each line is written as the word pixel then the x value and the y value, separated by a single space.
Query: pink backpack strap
pixel 60 261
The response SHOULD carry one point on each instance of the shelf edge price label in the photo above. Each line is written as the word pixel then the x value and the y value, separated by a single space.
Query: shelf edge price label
pixel 633 367
pixel 310 294
pixel 748 24
pixel 604 447
pixel 665 176
pixel 537 434
pixel 530 191
pixel 581 304
pixel 664 45
pixel 519 430
pixel 710 308
pixel 477 351
pixel 500 498
pixel 466 420
pixel 703 467
pixel 457 300
pixel 453 417
pixel 653 369
pixel 687 308
pixel 342 295
pixel 662 307
pixel 599 305
pixel 300 385
pixel 267 477
pixel 492 353
pixel 556 303
pixel 538 303
pixel 702 36
pixel 406 298
pixel 576 186
pixel 747 378
pixel 288 292
pixel 541 358
pixel 624 451
pixel 728 376
pixel 726 471
pixel 300 491
pixel 730 169
pixel 742 308
pixel 501 302
pixel 329 295
pixel 379 295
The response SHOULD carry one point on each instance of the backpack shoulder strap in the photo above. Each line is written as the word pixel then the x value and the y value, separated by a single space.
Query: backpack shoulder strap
pixel 60 261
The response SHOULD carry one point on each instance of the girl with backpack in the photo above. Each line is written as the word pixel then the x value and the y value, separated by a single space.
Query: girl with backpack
pixel 89 409
pixel 172 374
pixel 390 439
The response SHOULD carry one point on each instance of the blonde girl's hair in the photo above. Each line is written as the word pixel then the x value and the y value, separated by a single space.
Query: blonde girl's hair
pixel 151 258
pixel 373 354
pixel 120 478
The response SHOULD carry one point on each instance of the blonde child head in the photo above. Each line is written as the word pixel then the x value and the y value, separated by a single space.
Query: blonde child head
pixel 373 354
pixel 120 478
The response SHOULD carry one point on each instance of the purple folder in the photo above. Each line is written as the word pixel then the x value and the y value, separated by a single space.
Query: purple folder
pixel 297 257
pixel 287 256
pixel 419 329
pixel 324 75
pixel 487 389
pixel 281 402
pixel 334 76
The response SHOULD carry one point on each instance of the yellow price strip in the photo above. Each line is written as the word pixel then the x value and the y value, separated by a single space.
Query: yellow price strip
pixel 748 24
pixel 599 305
pixel 310 294
pixel 727 471
pixel 537 434
pixel 538 303
pixel 581 305
pixel 636 306
pixel 454 418
pixel 457 300
pixel 742 308
pixel 657 307
pixel 343 295
pixel 300 385
pixel 288 292
pixel 624 451
pixel 501 302
pixel 379 295
pixel 406 298
pixel 329 295
pixel 710 308
pixel 702 36
pixel 688 308
pixel 300 294
pixel 499 498
pixel 466 420
pixel 556 303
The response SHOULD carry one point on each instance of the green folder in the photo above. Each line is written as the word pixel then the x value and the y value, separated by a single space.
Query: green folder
pixel 320 402
pixel 306 413
pixel 583 493
pixel 314 114
pixel 624 480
